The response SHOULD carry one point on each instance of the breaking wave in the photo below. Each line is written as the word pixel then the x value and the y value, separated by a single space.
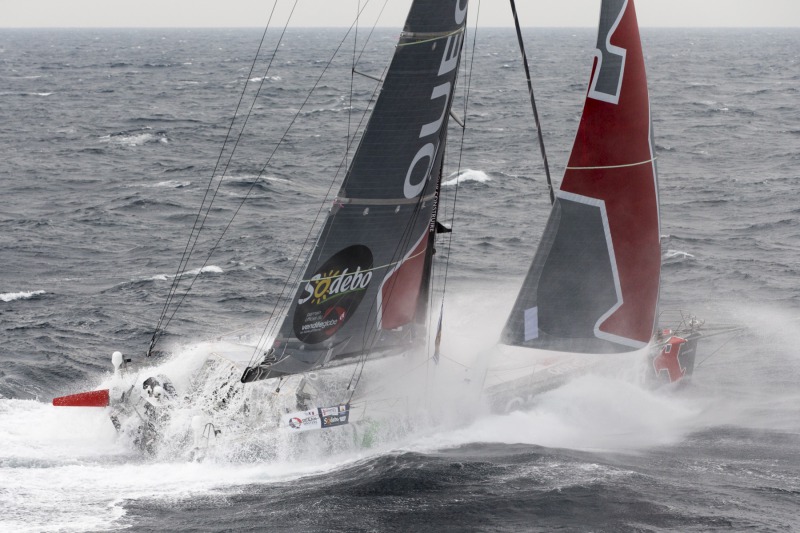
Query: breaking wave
pixel 212 269
pixel 466 175
pixel 11 296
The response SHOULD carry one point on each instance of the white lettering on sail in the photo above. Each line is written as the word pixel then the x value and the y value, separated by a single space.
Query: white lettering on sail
pixel 409 190
pixel 452 49
pixel 461 12
pixel 309 290
pixel 438 92
pixel 323 288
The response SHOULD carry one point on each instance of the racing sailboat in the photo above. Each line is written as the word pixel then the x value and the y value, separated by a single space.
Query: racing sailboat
pixel 592 289
pixel 365 289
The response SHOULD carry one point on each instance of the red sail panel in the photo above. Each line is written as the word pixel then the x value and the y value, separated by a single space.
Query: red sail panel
pixel 95 398
pixel 612 161
pixel 400 290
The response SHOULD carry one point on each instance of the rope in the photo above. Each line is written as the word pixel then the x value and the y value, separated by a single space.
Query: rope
pixel 600 167
pixel 468 76
pixel 190 243
pixel 283 302
pixel 533 102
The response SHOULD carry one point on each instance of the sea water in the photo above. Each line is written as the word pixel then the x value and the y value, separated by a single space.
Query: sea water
pixel 109 138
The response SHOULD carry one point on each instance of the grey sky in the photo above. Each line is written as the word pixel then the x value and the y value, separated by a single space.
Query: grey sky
pixel 253 13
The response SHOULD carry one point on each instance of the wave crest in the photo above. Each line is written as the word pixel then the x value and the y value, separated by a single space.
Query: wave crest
pixel 11 296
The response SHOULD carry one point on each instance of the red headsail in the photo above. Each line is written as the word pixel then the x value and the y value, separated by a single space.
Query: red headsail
pixel 594 282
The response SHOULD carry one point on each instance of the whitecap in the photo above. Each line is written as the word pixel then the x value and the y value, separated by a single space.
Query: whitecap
pixel 172 184
pixel 211 269
pixel 677 254
pixel 467 175
pixel 11 296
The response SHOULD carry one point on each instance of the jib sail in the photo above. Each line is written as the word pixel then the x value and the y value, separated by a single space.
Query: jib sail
pixel 362 287
pixel 594 282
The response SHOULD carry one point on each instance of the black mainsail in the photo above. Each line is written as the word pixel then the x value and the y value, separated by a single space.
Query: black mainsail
pixel 367 277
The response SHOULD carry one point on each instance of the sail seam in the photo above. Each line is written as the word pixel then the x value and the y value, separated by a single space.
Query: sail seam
pixel 600 167
pixel 382 201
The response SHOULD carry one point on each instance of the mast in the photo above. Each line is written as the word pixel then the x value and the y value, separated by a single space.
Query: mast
pixel 367 274
pixel 593 285
pixel 533 103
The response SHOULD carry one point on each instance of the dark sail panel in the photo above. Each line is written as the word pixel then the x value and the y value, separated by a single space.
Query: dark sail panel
pixel 362 286
pixel 593 286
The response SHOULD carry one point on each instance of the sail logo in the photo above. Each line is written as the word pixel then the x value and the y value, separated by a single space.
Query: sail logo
pixel 415 182
pixel 335 283
pixel 332 294
pixel 606 83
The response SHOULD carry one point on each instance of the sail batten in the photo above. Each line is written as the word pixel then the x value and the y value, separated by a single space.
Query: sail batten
pixel 594 281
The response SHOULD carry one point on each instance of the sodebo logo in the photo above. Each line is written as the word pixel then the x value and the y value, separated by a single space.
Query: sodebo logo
pixel 332 294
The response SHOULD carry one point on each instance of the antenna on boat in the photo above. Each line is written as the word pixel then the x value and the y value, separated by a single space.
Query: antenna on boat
pixel 533 103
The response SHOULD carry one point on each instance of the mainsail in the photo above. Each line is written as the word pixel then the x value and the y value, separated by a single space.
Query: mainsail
pixel 594 282
pixel 367 277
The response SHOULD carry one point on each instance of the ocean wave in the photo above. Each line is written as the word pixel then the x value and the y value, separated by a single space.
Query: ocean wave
pixel 11 296
pixel 211 269
pixel 466 175
pixel 171 184
pixel 135 138
pixel 677 255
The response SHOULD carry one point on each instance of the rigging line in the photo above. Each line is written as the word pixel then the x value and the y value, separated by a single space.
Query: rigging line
pixel 468 74
pixel 533 102
pixel 171 297
pixel 190 246
pixel 181 266
pixel 373 269
pixel 282 303
pixel 352 80
pixel 430 295
pixel 158 335
pixel 300 254
pixel 363 362
pixel 368 339
pixel 377 19
pixel 712 354
pixel 323 236
pixel 601 167
pixel 431 39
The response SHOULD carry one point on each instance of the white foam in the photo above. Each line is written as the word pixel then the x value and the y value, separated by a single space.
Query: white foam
pixel 173 184
pixel 211 269
pixel 591 413
pixel 134 139
pixel 62 469
pixel 677 254
pixel 466 175
pixel 11 296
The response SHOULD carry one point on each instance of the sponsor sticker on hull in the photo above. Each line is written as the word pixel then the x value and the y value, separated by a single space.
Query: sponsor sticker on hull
pixel 318 418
